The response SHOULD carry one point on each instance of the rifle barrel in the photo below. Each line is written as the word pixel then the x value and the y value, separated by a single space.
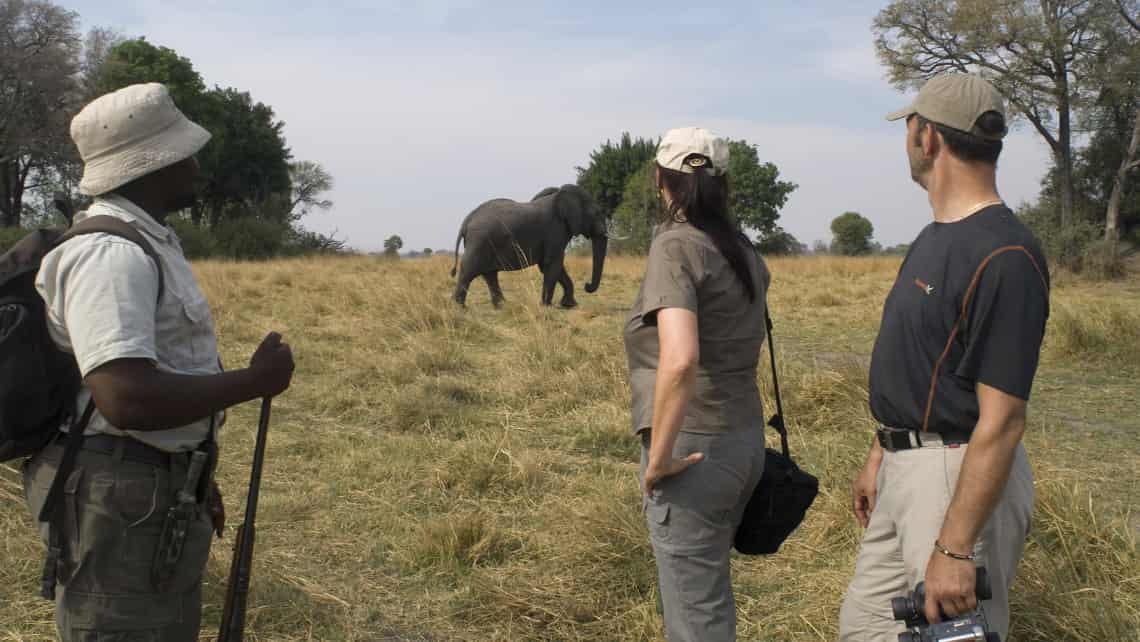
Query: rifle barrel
pixel 241 568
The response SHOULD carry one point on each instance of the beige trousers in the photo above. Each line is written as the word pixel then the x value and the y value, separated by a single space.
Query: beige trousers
pixel 914 491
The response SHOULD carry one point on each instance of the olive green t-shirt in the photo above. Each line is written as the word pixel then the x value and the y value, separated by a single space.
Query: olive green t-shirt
pixel 685 270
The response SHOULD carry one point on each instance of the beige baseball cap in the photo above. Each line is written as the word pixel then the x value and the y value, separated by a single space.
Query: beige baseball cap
pixel 678 144
pixel 129 133
pixel 955 100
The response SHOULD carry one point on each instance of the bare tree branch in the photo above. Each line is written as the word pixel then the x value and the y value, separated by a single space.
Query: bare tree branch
pixel 1127 18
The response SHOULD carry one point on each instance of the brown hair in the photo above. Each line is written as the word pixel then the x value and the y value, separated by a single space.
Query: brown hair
pixel 969 146
pixel 701 198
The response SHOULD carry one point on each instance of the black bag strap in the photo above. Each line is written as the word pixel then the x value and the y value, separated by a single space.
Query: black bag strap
pixel 777 420
pixel 104 224
pixel 52 509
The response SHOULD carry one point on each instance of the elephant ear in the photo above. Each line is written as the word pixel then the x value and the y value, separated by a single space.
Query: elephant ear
pixel 570 206
pixel 546 192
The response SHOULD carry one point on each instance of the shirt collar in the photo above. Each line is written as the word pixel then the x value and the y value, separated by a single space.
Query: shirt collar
pixel 126 210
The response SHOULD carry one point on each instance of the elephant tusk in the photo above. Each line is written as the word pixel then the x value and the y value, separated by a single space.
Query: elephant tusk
pixel 619 238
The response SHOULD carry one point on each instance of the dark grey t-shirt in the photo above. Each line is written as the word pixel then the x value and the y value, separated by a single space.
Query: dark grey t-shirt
pixel 969 306
pixel 685 270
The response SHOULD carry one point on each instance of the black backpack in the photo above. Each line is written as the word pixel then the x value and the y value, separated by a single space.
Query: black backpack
pixel 38 381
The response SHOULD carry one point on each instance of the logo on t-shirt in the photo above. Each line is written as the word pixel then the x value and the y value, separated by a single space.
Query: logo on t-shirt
pixel 924 286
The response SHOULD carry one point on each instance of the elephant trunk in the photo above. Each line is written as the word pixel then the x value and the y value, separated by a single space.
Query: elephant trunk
pixel 600 244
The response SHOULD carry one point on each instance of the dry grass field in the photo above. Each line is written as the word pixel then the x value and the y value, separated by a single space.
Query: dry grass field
pixel 439 473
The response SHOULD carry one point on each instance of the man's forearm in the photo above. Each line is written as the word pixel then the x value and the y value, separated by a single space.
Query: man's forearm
pixel 981 481
pixel 159 400
pixel 876 453
pixel 672 392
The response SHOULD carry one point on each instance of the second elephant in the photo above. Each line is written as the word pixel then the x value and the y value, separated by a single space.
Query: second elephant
pixel 502 234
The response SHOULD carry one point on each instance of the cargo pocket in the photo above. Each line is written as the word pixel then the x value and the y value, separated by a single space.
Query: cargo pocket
pixel 657 517
pixel 76 550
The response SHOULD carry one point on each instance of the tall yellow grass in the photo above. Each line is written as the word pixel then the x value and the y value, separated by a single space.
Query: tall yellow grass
pixel 439 473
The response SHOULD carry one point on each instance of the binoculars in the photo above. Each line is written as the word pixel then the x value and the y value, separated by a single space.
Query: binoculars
pixel 971 627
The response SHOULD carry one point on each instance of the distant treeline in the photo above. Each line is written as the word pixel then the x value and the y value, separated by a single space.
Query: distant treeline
pixel 253 193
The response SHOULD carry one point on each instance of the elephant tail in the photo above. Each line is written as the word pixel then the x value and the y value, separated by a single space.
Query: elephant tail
pixel 462 232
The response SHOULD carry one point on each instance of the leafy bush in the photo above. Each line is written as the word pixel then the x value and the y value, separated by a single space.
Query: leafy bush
pixel 197 241
pixel 250 238
pixel 780 243
pixel 302 242
pixel 1078 248
pixel 9 236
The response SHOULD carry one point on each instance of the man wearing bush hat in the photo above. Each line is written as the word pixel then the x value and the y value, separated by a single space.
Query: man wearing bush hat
pixel 947 484
pixel 153 388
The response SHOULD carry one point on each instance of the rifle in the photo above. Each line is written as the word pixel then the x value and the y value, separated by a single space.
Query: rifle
pixel 241 568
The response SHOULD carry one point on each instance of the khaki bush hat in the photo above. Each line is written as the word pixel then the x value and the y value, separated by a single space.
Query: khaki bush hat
pixel 679 144
pixel 957 101
pixel 129 133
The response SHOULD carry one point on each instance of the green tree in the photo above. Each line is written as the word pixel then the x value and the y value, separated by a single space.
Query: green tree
pixel 246 164
pixel 852 234
pixel 392 246
pixel 610 168
pixel 131 62
pixel 1032 50
pixel 636 216
pixel 780 243
pixel 756 192
pixel 245 167
pixel 756 195
pixel 427 251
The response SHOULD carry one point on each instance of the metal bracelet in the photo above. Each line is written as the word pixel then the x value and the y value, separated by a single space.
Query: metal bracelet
pixel 948 553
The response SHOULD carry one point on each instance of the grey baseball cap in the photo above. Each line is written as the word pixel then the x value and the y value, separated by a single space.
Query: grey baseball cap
pixel 955 100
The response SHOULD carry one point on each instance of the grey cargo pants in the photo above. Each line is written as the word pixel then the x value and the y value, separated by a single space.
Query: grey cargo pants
pixel 113 515
pixel 692 519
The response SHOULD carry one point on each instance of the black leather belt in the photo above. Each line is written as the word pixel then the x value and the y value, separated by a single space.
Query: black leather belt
pixel 895 439
pixel 132 449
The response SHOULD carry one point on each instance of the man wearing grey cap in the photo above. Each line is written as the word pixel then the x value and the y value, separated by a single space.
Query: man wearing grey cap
pixel 947 484
pixel 153 391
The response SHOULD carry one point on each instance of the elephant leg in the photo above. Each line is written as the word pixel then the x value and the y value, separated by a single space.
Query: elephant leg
pixel 549 280
pixel 492 279
pixel 461 287
pixel 567 289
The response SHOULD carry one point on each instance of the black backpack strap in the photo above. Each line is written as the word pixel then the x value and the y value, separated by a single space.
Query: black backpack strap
pixel 52 509
pixel 777 420
pixel 104 224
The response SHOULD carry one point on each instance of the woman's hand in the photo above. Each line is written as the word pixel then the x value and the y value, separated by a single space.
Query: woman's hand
pixel 656 471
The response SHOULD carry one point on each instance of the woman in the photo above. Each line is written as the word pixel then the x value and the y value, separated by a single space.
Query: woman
pixel 693 341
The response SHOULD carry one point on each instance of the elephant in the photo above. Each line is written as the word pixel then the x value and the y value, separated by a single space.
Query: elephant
pixel 503 234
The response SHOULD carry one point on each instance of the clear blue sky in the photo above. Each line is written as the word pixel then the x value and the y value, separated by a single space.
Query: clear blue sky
pixel 422 110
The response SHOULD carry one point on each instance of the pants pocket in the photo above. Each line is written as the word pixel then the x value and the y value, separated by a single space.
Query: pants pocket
pixel 106 616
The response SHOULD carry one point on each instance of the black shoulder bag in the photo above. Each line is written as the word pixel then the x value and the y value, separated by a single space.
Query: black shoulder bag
pixel 785 492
